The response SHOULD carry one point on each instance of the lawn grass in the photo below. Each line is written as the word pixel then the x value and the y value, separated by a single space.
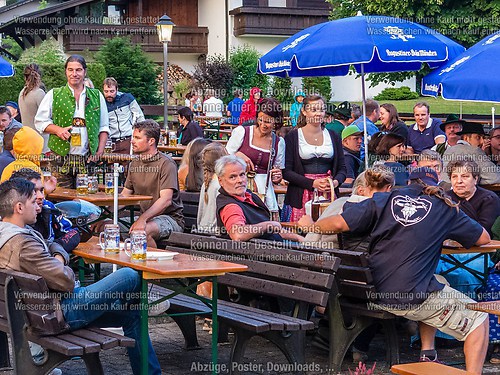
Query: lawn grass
pixel 439 105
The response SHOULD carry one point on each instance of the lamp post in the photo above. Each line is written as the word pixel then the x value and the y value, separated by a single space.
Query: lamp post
pixel 165 27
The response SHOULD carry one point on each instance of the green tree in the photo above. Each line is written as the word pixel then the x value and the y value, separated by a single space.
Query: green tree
pixel 214 73
pixel 243 61
pixel 132 68
pixel 317 86
pixel 281 89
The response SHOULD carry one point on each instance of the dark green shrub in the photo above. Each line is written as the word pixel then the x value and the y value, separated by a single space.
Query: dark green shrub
pixel 400 93
pixel 281 89
pixel 214 73
pixel 132 68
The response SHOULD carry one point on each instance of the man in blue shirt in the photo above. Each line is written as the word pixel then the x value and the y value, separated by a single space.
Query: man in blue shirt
pixel 426 132
pixel 234 108
pixel 372 116
pixel 407 228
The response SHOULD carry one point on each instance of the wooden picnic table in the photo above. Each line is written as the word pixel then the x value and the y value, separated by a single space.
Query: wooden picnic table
pixel 492 187
pixel 179 268
pixel 99 199
pixel 281 189
pixel 179 149
pixel 102 200
pixel 451 249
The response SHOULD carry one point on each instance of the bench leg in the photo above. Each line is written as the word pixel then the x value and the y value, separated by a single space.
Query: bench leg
pixel 241 338
pixel 291 344
pixel 93 364
pixel 391 339
pixel 341 338
pixel 4 352
pixel 187 326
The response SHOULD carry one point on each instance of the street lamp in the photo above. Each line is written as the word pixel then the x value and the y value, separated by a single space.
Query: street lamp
pixel 165 27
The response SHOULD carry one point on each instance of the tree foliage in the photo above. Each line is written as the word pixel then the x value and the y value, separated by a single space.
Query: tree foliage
pixel 317 86
pixel 132 68
pixel 281 89
pixel 465 22
pixel 214 73
pixel 243 61
pixel 48 52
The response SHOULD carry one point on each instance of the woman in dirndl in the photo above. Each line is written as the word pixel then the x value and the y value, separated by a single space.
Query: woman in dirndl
pixel 313 154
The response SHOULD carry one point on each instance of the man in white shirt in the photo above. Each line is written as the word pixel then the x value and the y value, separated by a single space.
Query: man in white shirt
pixel 213 107
pixel 76 118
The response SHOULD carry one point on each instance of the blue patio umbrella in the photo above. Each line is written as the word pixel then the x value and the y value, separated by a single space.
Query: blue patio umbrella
pixel 6 69
pixel 372 44
pixel 471 76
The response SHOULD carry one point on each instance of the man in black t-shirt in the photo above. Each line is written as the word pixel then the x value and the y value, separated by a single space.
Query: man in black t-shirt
pixel 408 227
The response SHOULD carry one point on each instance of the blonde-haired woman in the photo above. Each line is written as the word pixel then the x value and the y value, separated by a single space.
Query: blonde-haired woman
pixel 206 218
pixel 312 155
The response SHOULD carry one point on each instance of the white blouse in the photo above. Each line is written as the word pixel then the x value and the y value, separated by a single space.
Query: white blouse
pixel 236 141
pixel 308 151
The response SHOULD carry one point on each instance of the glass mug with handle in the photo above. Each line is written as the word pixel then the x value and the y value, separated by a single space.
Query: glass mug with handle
pixel 109 240
pixel 138 245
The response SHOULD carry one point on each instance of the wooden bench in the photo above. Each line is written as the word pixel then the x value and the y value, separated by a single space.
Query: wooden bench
pixel 350 310
pixel 190 201
pixel 28 311
pixel 426 368
pixel 274 271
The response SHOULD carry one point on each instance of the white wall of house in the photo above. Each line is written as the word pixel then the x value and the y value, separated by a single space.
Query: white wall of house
pixel 212 13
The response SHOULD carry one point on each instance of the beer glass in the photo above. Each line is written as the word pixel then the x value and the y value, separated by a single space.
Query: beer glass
pixel 109 240
pixel 138 245
pixel 82 184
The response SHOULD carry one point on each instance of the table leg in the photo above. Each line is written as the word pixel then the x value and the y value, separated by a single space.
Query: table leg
pixel 215 325
pixel 144 326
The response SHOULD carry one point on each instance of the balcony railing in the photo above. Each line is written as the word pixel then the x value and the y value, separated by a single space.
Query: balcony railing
pixel 275 21
pixel 78 37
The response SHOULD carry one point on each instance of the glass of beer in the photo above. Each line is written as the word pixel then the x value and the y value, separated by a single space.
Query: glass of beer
pixel 109 240
pixel 93 185
pixel 109 184
pixel 138 245
pixel 108 148
pixel 172 138
pixel 76 137
pixel 82 184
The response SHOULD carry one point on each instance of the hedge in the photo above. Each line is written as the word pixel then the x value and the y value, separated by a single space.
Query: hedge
pixel 52 76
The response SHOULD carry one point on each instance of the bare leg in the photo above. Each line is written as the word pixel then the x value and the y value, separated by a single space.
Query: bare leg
pixel 427 335
pixel 475 348
pixel 152 232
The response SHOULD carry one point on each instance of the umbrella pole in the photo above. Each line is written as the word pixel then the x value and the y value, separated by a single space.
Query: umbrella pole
pixel 116 171
pixel 492 117
pixel 365 134
pixel 460 110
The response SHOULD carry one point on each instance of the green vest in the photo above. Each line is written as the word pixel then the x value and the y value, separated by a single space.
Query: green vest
pixel 441 148
pixel 63 110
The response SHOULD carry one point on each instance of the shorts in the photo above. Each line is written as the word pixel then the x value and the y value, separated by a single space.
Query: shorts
pixel 166 225
pixel 445 310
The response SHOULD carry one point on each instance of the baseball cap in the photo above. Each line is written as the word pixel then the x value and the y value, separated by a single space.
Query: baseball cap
pixel 351 130
pixel 12 104
pixel 426 174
